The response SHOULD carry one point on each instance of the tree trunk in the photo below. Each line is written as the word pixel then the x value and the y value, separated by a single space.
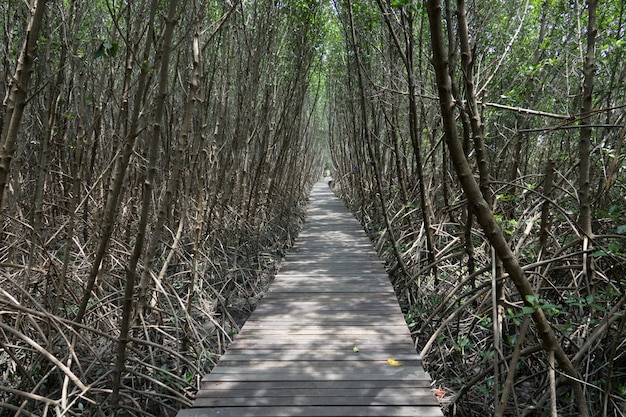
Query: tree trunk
pixel 148 186
pixel 584 150
pixel 145 292
pixel 408 58
pixel 17 97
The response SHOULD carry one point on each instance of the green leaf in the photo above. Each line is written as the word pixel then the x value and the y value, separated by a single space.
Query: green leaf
pixel 98 53
pixel 597 307
pixel 621 229
pixel 528 310
pixel 355 349
pixel 114 48
pixel 400 3
pixel 106 49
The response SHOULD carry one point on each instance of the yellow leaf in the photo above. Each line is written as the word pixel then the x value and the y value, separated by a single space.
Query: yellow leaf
pixel 393 362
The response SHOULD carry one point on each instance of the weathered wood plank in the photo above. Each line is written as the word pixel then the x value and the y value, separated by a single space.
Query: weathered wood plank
pixel 337 273
pixel 345 345
pixel 279 366
pixel 326 320
pixel 305 400
pixel 368 386
pixel 377 297
pixel 310 338
pixel 316 364
pixel 335 289
pixel 333 277
pixel 319 355
pixel 304 324
pixel 321 411
pixel 263 391
pixel 324 315
pixel 317 329
pixel 221 374
pixel 371 308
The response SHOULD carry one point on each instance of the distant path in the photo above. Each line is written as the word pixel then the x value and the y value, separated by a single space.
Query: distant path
pixel 319 342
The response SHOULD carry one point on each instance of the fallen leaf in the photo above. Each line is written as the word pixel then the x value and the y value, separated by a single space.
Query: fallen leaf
pixel 439 392
pixel 355 349
pixel 393 362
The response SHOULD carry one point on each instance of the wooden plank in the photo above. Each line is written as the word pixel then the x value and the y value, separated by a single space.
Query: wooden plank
pixel 364 308
pixel 299 324
pixel 324 315
pixel 309 319
pixel 288 324
pixel 371 386
pixel 319 355
pixel 321 411
pixel 320 281
pixel 305 300
pixel 333 265
pixel 304 400
pixel 325 332
pixel 331 252
pixel 320 327
pixel 335 273
pixel 384 350
pixel 276 320
pixel 263 391
pixel 341 260
pixel 318 364
pixel 310 336
pixel 341 300
pixel 335 289
pixel 386 296
pixel 220 374
pixel 346 345
pixel 315 366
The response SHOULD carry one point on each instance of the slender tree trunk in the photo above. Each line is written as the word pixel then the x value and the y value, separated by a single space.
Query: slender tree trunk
pixel 586 130
pixel 477 128
pixel 482 210
pixel 44 158
pixel 121 164
pixel 408 58
pixel 584 150
pixel 17 97
pixel 145 292
pixel 544 229
pixel 148 186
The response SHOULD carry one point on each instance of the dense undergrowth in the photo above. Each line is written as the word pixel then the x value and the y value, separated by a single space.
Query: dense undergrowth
pixel 451 313
pixel 51 366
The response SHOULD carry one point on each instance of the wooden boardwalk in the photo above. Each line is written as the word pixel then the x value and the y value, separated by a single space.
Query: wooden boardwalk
pixel 319 342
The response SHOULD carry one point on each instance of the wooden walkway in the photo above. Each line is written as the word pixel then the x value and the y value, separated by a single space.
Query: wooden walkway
pixel 319 342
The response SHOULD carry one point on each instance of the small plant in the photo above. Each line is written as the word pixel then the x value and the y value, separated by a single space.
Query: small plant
pixel 588 301
pixel 462 343
pixel 550 309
